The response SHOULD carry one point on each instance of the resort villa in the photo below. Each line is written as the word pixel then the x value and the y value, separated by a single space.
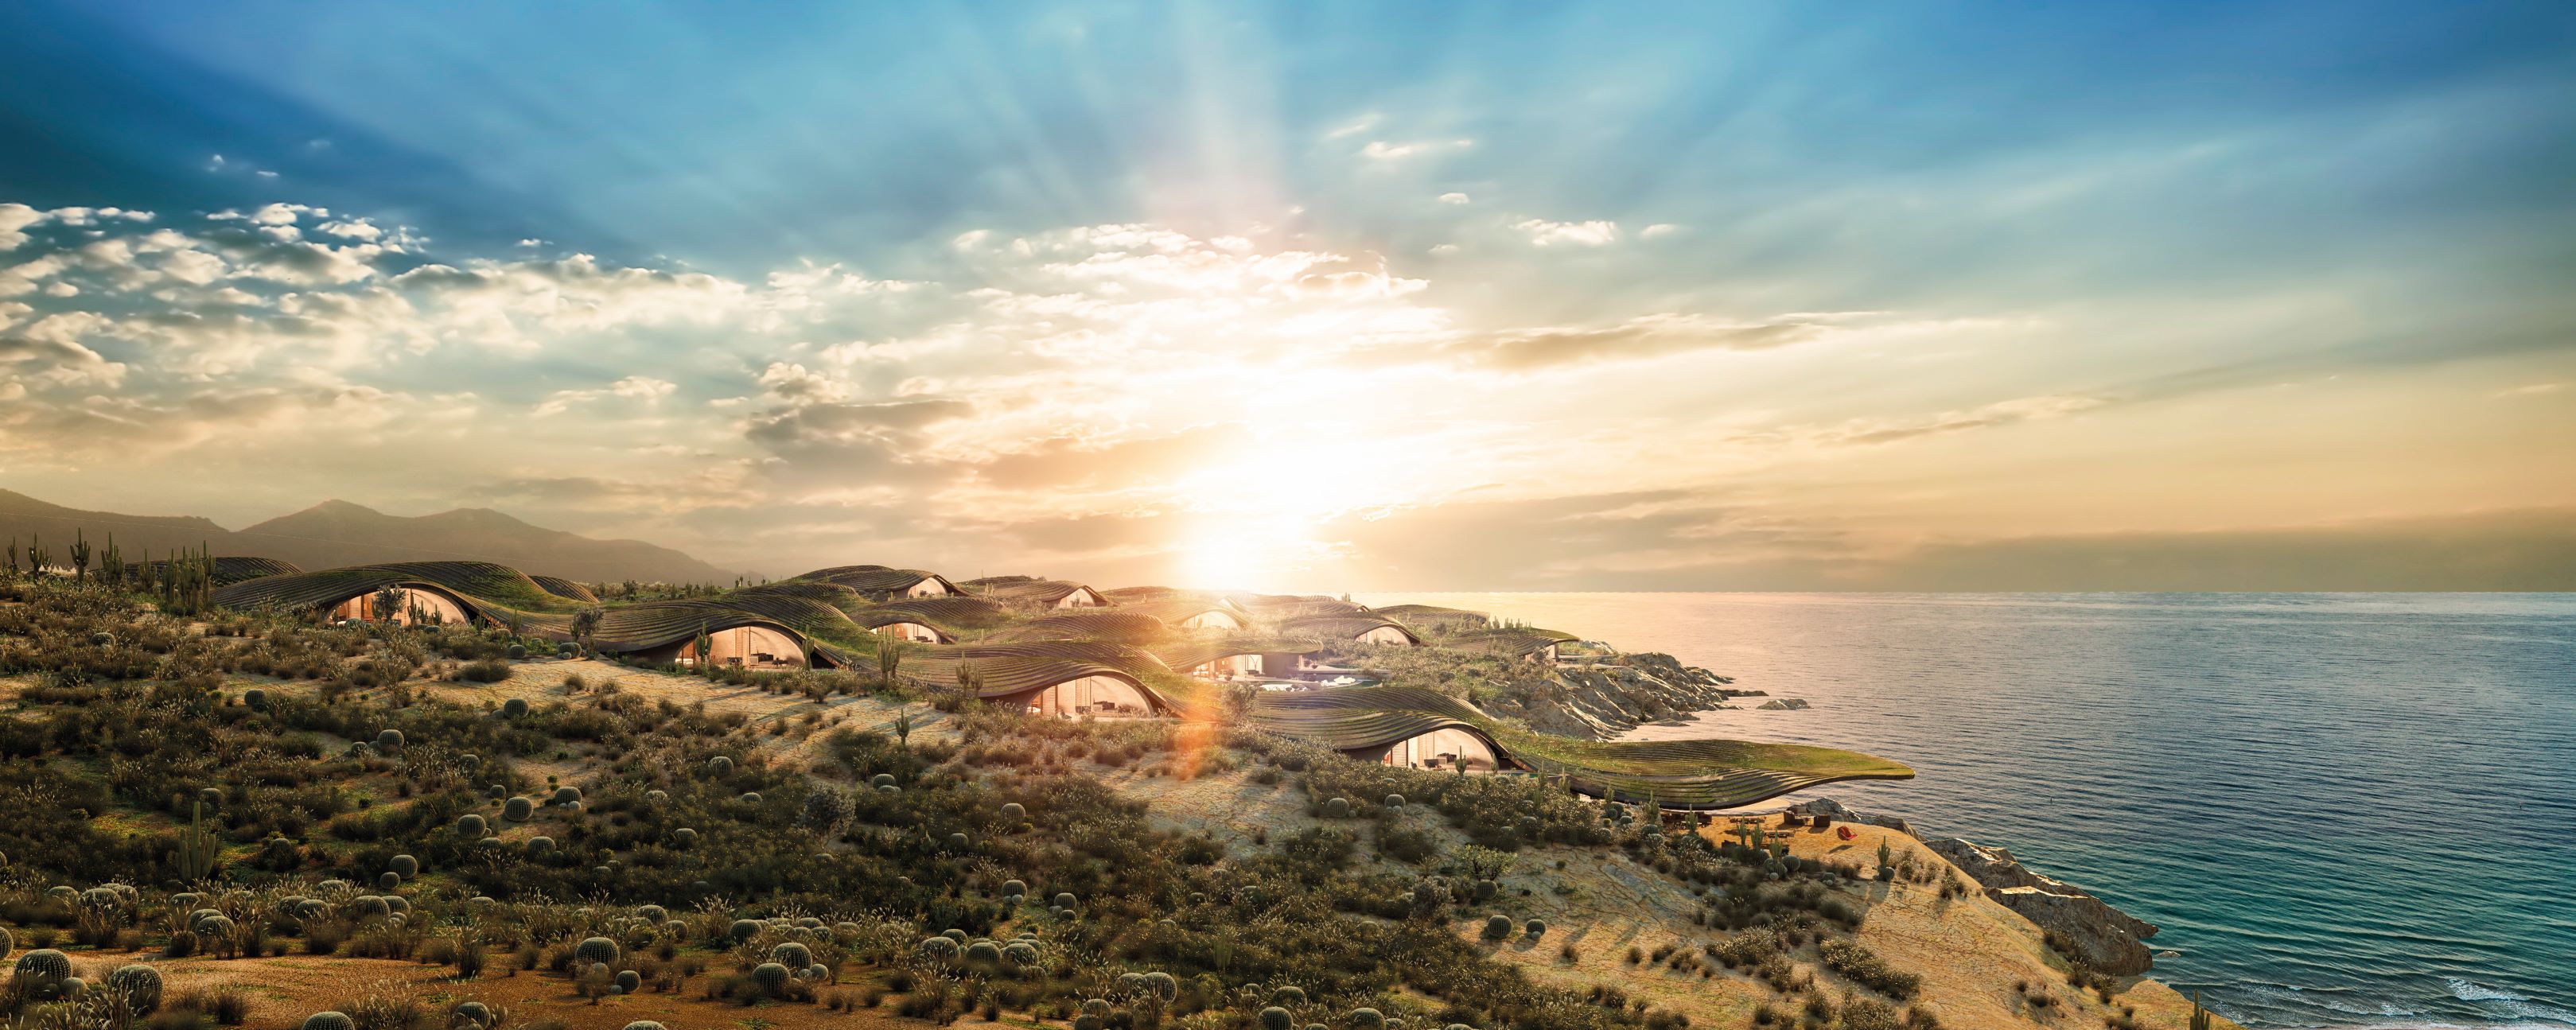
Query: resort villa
pixel 1039 593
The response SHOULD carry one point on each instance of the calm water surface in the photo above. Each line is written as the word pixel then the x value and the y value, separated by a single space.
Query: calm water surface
pixel 2345 810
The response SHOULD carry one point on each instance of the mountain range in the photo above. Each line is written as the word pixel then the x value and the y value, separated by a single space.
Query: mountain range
pixel 337 533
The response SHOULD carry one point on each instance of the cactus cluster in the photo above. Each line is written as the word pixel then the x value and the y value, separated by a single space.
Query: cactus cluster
pixel 770 976
pixel 792 955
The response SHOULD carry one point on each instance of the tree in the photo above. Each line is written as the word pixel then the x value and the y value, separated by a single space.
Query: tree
pixel 585 623
pixel 388 602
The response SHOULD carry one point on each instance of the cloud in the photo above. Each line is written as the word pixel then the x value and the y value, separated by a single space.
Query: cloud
pixel 1459 199
pixel 1381 150
pixel 1658 231
pixel 642 388
pixel 1543 233
pixel 2533 390
pixel 1645 336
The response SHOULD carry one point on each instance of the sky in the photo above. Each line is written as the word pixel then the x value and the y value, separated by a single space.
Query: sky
pixel 1322 297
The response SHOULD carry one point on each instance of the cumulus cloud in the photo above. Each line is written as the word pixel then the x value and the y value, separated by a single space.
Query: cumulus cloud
pixel 1544 233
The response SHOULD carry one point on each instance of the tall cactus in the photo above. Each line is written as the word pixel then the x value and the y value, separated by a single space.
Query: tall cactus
pixel 80 557
pixel 197 846
pixel 2199 1015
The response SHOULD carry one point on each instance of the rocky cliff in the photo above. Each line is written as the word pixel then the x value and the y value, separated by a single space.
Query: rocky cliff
pixel 2106 938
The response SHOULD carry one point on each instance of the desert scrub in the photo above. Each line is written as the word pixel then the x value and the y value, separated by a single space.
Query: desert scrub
pixel 1862 966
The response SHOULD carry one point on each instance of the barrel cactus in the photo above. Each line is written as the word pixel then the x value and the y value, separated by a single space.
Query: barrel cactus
pixel 652 913
pixel 256 698
pixel 1164 985
pixel 565 797
pixel 1014 888
pixel 1276 1018
pixel 1536 928
pixel 518 810
pixel 1064 900
pixel 1288 995
pixel 1498 927
pixel 1013 814
pixel 720 765
pixel 629 981
pixel 139 984
pixel 770 976
pixel 388 880
pixel 750 797
pixel 940 947
pixel 514 707
pixel 792 955
pixel 984 952
pixel 44 965
pixel 1364 1019
pixel 516 651
pixel 1395 801
pixel 743 929
pixel 471 826
pixel 329 1021
pixel 7 943
pixel 541 843
pixel 881 780
pixel 1021 953
pixel 684 836
pixel 643 1024
pixel 70 988
pixel 215 926
pixel 389 741
pixel 957 842
pixel 210 796
pixel 474 1012
pixel 819 973
pixel 405 865
pixel 1337 808
pixel 1485 890
pixel 595 951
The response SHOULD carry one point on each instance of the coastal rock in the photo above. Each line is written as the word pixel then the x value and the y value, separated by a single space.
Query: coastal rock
pixel 1603 699
pixel 1837 812
pixel 1784 704
pixel 2105 938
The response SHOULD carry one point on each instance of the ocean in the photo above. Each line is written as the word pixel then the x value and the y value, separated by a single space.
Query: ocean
pixel 2345 810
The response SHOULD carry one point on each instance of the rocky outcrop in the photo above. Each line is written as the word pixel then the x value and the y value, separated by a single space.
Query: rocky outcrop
pixel 1835 810
pixel 2105 938
pixel 1783 704
pixel 1603 699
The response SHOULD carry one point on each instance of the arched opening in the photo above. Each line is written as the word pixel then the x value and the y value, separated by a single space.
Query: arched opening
pixel 1082 597
pixel 418 604
pixel 1443 749
pixel 928 587
pixel 1212 620
pixel 742 647
pixel 912 631
pixel 1098 697
pixel 1385 635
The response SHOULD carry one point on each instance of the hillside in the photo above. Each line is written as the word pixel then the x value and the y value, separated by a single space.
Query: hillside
pixel 337 533
pixel 398 822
